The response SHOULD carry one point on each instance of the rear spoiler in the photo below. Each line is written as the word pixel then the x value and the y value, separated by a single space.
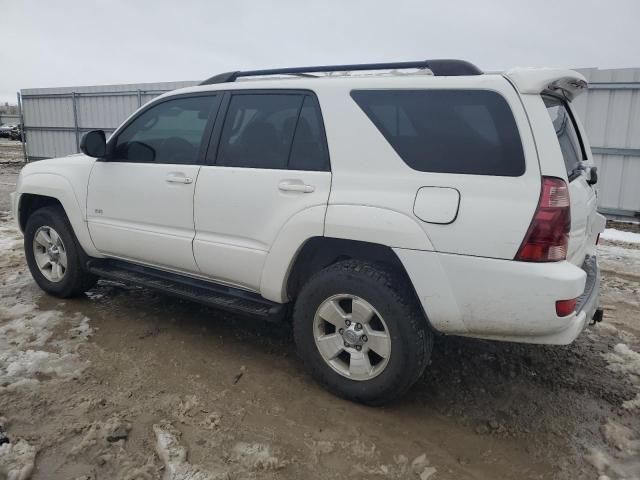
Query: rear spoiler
pixel 567 83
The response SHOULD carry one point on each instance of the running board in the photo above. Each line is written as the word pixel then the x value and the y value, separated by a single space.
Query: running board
pixel 208 293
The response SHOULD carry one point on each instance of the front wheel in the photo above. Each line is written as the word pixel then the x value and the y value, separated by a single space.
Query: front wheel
pixel 54 256
pixel 360 332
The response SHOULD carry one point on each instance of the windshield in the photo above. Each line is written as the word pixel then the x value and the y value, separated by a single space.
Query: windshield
pixel 567 134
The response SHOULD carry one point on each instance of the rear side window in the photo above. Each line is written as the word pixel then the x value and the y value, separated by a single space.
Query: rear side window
pixel 309 149
pixel 567 133
pixel 275 131
pixel 447 131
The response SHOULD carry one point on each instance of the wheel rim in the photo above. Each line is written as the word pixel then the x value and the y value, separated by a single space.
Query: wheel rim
pixel 352 337
pixel 50 254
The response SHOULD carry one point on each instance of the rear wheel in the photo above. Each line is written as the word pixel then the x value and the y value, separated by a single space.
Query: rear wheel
pixel 54 256
pixel 360 332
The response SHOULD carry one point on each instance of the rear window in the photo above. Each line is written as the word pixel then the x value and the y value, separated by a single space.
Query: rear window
pixel 567 133
pixel 447 131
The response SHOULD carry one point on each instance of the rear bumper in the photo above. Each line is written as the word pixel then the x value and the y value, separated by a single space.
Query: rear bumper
pixel 502 299
pixel 589 301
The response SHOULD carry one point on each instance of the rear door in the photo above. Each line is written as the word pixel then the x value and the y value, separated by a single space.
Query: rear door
pixel 586 223
pixel 267 161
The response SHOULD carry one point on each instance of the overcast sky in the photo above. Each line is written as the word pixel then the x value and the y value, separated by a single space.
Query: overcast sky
pixel 67 43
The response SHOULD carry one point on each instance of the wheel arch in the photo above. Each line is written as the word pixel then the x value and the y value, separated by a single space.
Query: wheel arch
pixel 45 189
pixel 349 227
pixel 30 202
pixel 320 252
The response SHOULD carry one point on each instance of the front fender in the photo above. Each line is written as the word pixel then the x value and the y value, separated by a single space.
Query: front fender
pixel 56 186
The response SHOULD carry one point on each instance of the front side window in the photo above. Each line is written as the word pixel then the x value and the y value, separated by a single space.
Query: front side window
pixel 447 131
pixel 169 132
pixel 273 131
pixel 567 134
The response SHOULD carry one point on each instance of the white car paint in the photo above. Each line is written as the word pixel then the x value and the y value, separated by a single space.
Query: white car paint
pixel 495 298
pixel 65 179
pixel 143 212
pixel 240 212
pixel 536 80
pixel 239 227
pixel 437 204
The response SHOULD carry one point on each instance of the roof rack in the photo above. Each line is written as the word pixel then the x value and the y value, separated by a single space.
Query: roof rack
pixel 440 67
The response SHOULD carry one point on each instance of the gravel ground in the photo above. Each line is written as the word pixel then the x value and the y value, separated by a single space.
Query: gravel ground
pixel 129 384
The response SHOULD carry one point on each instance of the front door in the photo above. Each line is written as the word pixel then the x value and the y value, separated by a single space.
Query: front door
pixel 140 198
pixel 268 161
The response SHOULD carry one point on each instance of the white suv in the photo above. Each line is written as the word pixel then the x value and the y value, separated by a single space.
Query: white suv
pixel 379 208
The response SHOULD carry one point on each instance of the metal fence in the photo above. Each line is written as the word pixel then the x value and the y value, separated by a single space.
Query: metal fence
pixel 610 110
pixel 6 119
pixel 56 118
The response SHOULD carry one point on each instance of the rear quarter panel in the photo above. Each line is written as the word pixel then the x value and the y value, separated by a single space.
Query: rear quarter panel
pixel 494 212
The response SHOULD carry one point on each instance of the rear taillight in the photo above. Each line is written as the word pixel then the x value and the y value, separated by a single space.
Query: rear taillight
pixel 566 307
pixel 548 236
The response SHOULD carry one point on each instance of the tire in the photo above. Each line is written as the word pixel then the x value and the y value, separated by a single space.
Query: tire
pixel 409 343
pixel 75 280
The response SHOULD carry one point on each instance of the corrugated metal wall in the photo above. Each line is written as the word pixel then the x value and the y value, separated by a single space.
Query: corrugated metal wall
pixel 610 111
pixel 56 118
pixel 6 119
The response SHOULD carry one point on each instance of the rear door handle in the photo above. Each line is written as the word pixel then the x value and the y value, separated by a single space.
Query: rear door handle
pixel 295 186
pixel 173 178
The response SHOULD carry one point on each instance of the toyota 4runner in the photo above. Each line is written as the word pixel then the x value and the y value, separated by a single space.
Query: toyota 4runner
pixel 373 210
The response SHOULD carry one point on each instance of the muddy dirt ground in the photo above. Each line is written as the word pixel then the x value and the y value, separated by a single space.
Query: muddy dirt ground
pixel 129 384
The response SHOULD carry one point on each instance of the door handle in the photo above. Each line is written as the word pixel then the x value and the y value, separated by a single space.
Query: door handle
pixel 295 186
pixel 179 179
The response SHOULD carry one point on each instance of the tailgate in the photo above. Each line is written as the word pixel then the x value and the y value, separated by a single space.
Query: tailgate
pixel 586 223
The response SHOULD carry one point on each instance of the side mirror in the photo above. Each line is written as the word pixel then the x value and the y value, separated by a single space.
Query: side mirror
pixel 94 143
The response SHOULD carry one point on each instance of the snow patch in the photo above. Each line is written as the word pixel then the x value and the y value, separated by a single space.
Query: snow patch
pixel 102 435
pixel 616 235
pixel 255 456
pixel 626 361
pixel 23 356
pixel 174 456
pixel 29 352
pixel 401 468
pixel 245 458
pixel 17 460
pixel 624 463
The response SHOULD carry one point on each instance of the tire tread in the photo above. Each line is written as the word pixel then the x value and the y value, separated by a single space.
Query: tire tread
pixel 399 287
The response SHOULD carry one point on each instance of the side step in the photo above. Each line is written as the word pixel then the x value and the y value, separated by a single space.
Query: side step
pixel 208 293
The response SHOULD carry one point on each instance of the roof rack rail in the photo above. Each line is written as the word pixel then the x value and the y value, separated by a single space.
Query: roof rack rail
pixel 439 67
